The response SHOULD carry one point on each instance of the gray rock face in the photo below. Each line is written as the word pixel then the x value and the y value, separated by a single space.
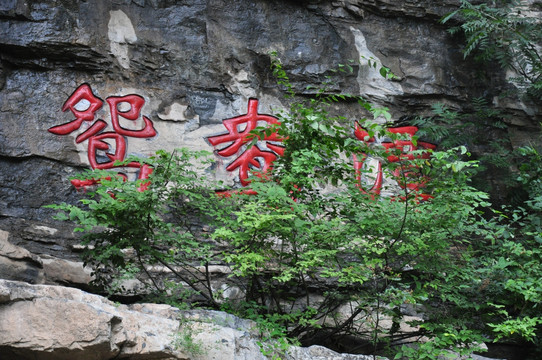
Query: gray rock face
pixel 197 63
pixel 17 263
pixel 43 322
pixel 194 64
pixel 417 9
pixel 52 322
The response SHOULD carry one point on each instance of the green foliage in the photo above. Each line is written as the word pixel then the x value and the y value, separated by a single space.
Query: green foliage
pixel 506 250
pixel 185 340
pixel 370 255
pixel 128 231
pixel 504 274
pixel 319 261
pixel 314 136
pixel 483 131
pixel 514 265
pixel 449 128
pixel 503 31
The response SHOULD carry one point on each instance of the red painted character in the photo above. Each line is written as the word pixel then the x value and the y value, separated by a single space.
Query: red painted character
pixel 102 141
pixel 238 136
pixel 407 175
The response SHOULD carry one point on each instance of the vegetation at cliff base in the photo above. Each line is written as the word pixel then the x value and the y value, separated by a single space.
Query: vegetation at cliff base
pixel 343 267
pixel 314 254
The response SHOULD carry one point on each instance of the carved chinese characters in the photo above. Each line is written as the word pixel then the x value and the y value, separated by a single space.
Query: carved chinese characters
pixel 105 148
pixel 407 175
pixel 238 137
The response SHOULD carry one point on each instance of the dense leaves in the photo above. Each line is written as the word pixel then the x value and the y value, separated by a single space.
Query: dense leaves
pixel 504 31
pixel 317 260
pixel 128 231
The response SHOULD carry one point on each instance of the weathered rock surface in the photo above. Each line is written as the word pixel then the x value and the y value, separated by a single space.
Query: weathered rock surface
pixel 17 263
pixel 52 322
pixel 195 64
pixel 430 10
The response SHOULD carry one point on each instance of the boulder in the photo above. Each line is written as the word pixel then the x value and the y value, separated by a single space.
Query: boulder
pixel 17 263
pixel 43 322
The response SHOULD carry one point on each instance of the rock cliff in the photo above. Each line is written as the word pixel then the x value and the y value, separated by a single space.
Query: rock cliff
pixel 193 64
pixel 144 75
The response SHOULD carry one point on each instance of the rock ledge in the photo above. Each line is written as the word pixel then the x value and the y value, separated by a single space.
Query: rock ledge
pixel 45 322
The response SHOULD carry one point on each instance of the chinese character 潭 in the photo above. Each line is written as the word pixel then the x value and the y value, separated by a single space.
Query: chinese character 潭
pixel 407 176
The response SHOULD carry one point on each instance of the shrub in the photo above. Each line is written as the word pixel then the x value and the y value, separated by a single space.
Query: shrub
pixel 317 259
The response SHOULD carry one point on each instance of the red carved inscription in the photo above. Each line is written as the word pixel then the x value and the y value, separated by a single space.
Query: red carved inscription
pixel 84 105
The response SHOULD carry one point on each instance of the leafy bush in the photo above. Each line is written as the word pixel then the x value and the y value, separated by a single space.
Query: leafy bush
pixel 317 259
pixel 504 31
pixel 128 231
pixel 483 131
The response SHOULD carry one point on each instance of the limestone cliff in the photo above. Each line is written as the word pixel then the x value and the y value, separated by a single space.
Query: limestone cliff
pixel 194 64
pixel 68 69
